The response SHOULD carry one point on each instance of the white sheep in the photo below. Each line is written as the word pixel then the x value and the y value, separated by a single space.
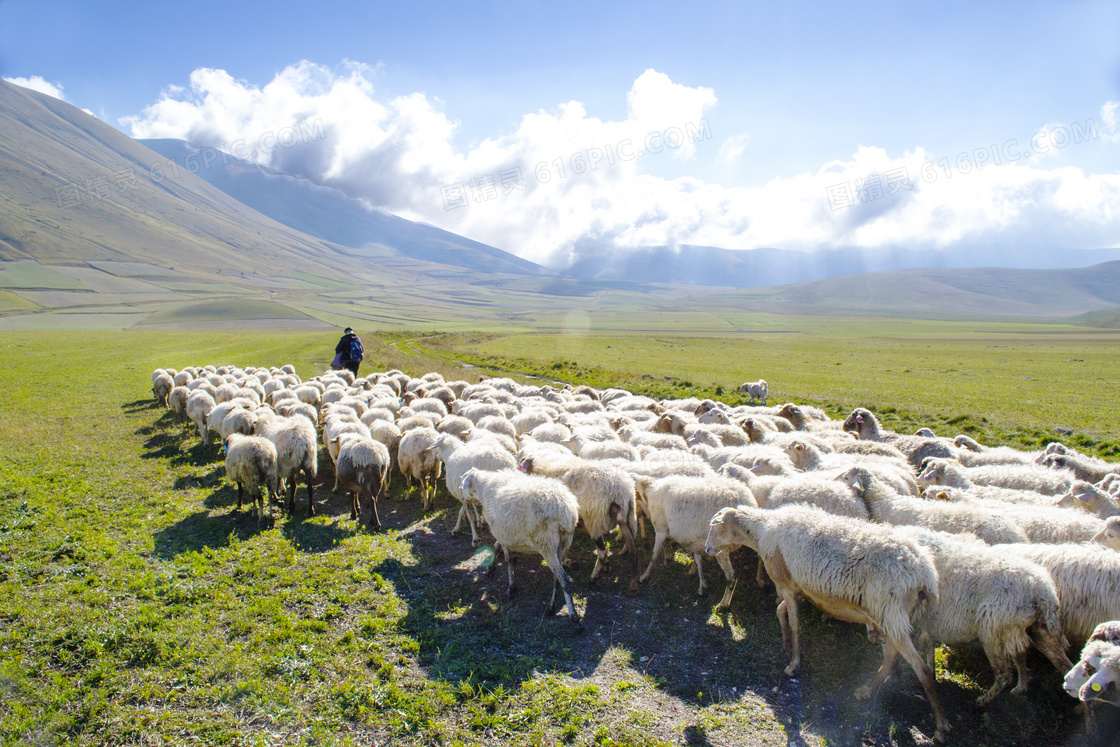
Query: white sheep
pixel 824 493
pixel 755 390
pixel 916 448
pixel 1109 536
pixel 939 471
pixel 162 384
pixel 854 571
pixel 806 457
pixel 1004 601
pixel 297 454
pixel 177 402
pixel 250 462
pixel 417 461
pixel 1088 497
pixel 888 507
pixel 1088 581
pixel 531 515
pixel 680 509
pixel 362 468
pixel 459 457
pixel 606 497
pixel 199 406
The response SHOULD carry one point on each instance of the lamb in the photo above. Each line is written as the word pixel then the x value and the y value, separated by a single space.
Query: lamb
pixel 916 448
pixel 811 553
pixel 297 454
pixel 528 514
pixel 162 384
pixel 1006 602
pixel 1088 581
pixel 680 509
pixel 1088 497
pixel 1110 535
pixel 417 461
pixel 362 467
pixel 199 406
pixel 1021 477
pixel 888 507
pixel 251 461
pixel 458 457
pixel 755 390
pixel 606 497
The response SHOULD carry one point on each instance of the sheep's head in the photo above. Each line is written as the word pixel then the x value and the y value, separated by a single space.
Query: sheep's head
pixel 932 472
pixel 725 533
pixel 925 433
pixel 1083 495
pixel 767 467
pixel 1080 673
pixel 857 478
pixel 1104 684
pixel 469 485
pixel 858 420
pixel 964 442
pixel 790 412
pixel 1110 535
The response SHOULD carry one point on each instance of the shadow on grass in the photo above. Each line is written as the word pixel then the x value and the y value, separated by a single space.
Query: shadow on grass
pixel 311 537
pixel 204 529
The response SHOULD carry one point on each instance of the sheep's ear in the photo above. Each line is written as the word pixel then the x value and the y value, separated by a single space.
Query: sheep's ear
pixel 942 496
pixel 798 447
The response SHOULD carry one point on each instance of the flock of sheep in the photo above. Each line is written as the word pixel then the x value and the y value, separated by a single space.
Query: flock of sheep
pixel 906 534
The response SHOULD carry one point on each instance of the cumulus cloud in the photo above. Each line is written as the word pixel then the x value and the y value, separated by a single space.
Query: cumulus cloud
pixel 565 182
pixel 40 84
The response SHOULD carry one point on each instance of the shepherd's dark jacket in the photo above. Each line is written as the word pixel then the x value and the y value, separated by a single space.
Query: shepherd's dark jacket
pixel 343 347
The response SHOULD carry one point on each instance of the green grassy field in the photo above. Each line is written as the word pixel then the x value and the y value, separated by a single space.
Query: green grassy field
pixel 140 607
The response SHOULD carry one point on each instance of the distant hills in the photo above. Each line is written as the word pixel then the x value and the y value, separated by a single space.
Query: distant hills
pixel 97 230
pixel 329 214
pixel 709 265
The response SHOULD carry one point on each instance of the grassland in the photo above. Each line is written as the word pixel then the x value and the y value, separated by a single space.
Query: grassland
pixel 140 607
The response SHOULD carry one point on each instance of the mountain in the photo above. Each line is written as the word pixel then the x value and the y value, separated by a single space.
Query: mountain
pixel 709 265
pixel 332 215
pixel 967 293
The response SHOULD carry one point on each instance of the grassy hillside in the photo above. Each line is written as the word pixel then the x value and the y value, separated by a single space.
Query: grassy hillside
pixel 141 606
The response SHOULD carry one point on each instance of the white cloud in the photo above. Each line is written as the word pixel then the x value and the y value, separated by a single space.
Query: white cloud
pixel 38 83
pixel 586 183
pixel 1110 115
pixel 733 147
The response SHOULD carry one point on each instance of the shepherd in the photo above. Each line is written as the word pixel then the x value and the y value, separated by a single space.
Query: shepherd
pixel 348 352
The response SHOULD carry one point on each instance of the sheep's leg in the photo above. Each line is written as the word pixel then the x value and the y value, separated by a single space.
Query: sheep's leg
pixel 1003 669
pixel 374 518
pixel 699 572
pixel 238 496
pixel 783 622
pixel 493 563
pixel 1023 673
pixel 890 656
pixel 789 599
pixel 658 541
pixel 906 647
pixel 512 588
pixel 760 577
pixel 561 579
pixel 631 548
pixel 459 520
pixel 600 558
pixel 474 528
pixel 724 559
pixel 310 496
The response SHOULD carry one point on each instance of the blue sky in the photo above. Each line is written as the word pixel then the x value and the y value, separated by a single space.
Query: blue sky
pixel 785 89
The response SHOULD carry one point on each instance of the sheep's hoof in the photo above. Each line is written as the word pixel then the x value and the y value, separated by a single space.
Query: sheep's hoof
pixel 511 591
pixel 632 589
pixel 942 734
pixel 791 670
pixel 863 693
pixel 577 627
